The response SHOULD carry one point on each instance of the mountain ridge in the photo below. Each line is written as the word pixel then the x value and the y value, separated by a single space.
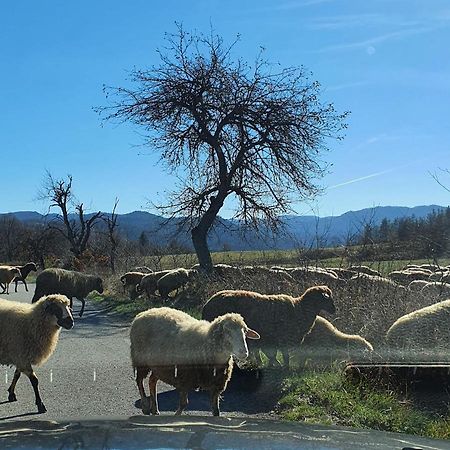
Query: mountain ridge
pixel 299 229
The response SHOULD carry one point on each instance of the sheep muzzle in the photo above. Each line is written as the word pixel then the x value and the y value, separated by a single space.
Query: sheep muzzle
pixel 66 323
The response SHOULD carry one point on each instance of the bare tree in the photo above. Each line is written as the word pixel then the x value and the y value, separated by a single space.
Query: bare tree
pixel 235 129
pixel 76 228
pixel 40 240
pixel 113 237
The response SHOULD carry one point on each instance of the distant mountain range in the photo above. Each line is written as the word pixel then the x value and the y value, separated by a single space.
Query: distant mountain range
pixel 227 234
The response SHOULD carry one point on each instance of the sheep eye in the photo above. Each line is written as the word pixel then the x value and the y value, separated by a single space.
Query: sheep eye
pixel 326 295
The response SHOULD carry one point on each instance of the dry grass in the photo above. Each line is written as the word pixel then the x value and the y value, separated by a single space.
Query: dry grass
pixel 364 308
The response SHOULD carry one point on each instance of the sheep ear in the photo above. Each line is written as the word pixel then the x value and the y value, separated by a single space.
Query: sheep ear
pixel 252 334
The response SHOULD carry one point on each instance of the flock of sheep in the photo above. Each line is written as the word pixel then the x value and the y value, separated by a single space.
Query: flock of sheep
pixel 198 354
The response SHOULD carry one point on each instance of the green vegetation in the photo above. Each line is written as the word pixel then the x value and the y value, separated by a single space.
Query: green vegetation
pixel 328 398
pixel 129 308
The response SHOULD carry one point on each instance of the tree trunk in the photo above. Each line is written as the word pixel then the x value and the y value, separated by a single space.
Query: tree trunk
pixel 199 239
pixel 112 261
pixel 200 232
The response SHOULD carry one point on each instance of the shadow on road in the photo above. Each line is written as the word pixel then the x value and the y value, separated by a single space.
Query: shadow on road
pixel 100 321
pixel 246 394
pixel 17 416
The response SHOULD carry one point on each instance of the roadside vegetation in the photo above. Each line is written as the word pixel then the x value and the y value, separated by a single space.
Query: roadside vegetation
pixel 327 398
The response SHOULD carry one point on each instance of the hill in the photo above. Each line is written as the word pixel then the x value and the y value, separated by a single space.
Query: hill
pixel 299 230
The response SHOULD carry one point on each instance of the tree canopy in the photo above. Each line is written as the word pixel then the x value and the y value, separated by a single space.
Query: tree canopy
pixel 254 132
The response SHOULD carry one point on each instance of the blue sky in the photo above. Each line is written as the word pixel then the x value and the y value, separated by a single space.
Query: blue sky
pixel 386 61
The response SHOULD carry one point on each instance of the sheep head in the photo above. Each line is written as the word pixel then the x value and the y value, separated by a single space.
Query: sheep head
pixel 57 307
pixel 230 332
pixel 322 296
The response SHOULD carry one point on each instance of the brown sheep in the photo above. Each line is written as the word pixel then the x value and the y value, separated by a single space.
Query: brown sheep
pixel 24 272
pixel 282 320
pixel 66 282
pixel 7 274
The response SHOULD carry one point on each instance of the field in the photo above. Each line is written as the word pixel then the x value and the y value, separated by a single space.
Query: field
pixel 330 257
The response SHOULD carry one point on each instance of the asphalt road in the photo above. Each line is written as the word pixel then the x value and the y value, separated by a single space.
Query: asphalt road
pixel 90 376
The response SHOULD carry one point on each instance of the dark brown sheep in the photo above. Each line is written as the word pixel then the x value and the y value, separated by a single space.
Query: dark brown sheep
pixel 282 320
pixel 24 272
pixel 66 282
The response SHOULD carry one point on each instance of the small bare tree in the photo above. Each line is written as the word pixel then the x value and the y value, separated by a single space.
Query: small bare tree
pixel 75 228
pixel 237 130
pixel 40 240
pixel 113 237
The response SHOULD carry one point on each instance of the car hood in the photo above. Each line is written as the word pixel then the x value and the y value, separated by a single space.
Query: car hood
pixel 193 432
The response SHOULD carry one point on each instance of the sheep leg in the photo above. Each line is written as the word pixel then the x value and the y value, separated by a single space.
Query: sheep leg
pixel 272 355
pixel 25 283
pixel 153 394
pixel 141 373
pixel 183 403
pixel 286 356
pixel 15 285
pixel 215 396
pixel 83 302
pixel 12 396
pixel 35 383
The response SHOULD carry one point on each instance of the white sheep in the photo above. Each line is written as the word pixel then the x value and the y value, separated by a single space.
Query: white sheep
pixel 186 353
pixel 29 334
pixel 365 269
pixel 363 281
pixel 7 274
pixel 438 274
pixel 130 280
pixel 432 267
pixel 311 276
pixel 142 269
pixel 174 280
pixel 226 271
pixel 427 327
pixel 436 290
pixel 405 277
pixel 325 343
pixel 417 285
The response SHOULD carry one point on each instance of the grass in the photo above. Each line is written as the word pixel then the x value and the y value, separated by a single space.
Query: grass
pixel 328 398
pixel 289 258
pixel 129 308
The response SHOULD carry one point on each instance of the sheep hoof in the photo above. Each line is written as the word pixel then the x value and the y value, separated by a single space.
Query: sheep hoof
pixel 146 407
pixel 12 397
pixel 41 408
